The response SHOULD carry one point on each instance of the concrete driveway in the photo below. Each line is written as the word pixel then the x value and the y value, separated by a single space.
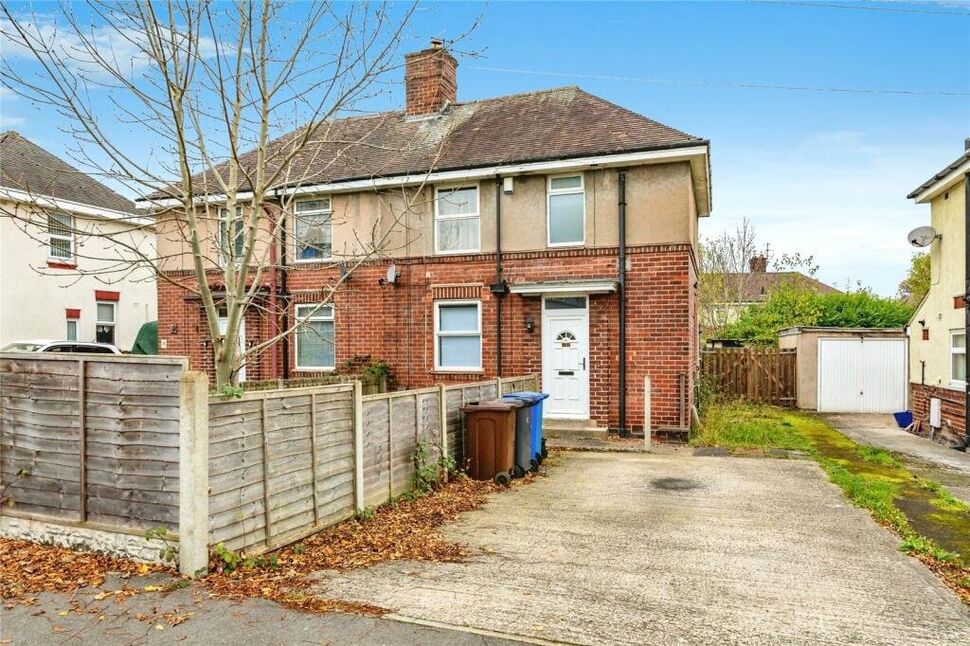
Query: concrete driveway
pixel 661 549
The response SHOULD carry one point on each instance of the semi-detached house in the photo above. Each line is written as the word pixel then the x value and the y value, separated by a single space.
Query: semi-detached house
pixel 530 222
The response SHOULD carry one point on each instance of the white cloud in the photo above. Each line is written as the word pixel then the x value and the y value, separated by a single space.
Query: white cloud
pixel 835 196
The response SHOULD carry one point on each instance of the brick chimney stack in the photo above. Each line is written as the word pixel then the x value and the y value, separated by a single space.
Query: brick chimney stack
pixel 758 264
pixel 430 80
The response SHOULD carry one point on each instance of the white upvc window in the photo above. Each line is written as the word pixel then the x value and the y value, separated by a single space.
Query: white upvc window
pixel 457 220
pixel 232 250
pixel 315 338
pixel 105 322
pixel 566 208
pixel 71 330
pixel 60 237
pixel 958 357
pixel 458 336
pixel 313 230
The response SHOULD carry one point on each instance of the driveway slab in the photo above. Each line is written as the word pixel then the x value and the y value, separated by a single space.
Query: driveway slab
pixel 661 549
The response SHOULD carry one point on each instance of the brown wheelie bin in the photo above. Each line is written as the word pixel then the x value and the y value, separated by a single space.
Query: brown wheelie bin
pixel 491 439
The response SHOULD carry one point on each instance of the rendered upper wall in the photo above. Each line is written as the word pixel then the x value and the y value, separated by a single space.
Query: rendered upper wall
pixel 400 222
pixel 947 258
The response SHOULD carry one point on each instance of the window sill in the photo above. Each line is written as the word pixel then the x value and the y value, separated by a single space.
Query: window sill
pixel 60 264
pixel 310 261
pixel 457 371
pixel 320 369
pixel 566 245
pixel 461 252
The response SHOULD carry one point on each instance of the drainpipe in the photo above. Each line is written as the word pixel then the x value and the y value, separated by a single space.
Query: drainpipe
pixel 966 299
pixel 621 280
pixel 498 288
pixel 284 296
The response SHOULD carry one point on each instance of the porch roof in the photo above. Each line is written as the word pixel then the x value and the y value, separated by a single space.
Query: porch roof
pixel 579 286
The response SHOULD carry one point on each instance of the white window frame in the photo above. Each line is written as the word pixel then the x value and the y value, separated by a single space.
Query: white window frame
pixel 112 323
pixel 71 323
pixel 51 237
pixel 550 191
pixel 223 252
pixel 957 351
pixel 438 334
pixel 464 216
pixel 297 215
pixel 321 313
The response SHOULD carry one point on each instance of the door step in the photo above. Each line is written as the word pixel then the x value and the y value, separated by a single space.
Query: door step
pixel 573 429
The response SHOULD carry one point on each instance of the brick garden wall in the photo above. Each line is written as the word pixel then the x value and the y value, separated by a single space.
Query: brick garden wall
pixel 396 323
pixel 954 405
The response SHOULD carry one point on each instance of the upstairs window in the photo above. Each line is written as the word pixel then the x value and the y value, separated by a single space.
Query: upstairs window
pixel 60 236
pixel 105 323
pixel 456 220
pixel 958 357
pixel 231 249
pixel 312 231
pixel 458 335
pixel 567 211
pixel 314 338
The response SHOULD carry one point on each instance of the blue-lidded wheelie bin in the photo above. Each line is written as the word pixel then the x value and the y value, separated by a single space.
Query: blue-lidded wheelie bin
pixel 528 423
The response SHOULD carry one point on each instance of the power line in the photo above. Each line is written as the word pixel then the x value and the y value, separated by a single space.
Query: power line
pixel 728 84
pixel 863 7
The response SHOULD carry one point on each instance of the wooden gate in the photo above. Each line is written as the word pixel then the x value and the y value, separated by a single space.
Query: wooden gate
pixel 759 375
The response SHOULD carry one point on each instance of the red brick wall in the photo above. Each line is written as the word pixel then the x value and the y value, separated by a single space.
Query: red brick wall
pixel 954 405
pixel 430 81
pixel 396 323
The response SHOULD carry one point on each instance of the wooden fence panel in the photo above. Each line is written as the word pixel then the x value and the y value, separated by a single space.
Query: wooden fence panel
pixel 758 375
pixel 281 465
pixel 97 435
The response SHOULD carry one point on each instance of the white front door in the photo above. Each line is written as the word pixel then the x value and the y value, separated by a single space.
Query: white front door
pixel 240 341
pixel 565 357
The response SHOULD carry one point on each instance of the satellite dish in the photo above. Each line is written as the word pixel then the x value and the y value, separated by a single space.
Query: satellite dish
pixel 391 274
pixel 922 236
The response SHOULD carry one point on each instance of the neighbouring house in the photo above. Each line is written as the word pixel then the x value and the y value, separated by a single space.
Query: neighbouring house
pixel 56 283
pixel 937 339
pixel 736 291
pixel 509 263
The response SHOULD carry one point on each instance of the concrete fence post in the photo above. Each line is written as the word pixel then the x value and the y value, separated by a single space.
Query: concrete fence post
pixel 359 445
pixel 193 473
pixel 647 429
pixel 443 418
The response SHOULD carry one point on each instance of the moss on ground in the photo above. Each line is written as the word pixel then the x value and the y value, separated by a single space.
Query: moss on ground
pixel 932 523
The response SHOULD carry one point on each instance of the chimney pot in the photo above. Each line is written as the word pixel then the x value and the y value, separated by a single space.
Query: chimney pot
pixel 758 264
pixel 430 80
pixel 966 143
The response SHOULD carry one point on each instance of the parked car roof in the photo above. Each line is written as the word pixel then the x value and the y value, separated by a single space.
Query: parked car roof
pixel 61 346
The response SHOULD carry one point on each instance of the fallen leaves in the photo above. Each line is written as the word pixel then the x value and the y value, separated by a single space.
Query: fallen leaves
pixel 27 567
pixel 405 531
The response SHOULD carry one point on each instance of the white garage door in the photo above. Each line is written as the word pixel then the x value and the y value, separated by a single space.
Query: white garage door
pixel 861 375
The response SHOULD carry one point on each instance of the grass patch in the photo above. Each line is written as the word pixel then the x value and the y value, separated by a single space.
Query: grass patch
pixel 933 525
pixel 748 427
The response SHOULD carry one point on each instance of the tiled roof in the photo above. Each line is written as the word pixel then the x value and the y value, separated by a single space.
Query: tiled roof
pixel 756 286
pixel 964 158
pixel 27 167
pixel 538 126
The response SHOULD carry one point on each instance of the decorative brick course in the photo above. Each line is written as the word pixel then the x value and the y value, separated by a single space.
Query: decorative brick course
pixel 395 323
pixel 952 409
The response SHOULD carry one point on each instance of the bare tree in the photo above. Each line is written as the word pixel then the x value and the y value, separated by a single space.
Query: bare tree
pixel 725 276
pixel 245 104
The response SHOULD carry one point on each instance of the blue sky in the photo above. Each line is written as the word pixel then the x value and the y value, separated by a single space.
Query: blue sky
pixel 817 172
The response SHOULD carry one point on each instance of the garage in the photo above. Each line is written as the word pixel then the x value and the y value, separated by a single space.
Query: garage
pixel 849 370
